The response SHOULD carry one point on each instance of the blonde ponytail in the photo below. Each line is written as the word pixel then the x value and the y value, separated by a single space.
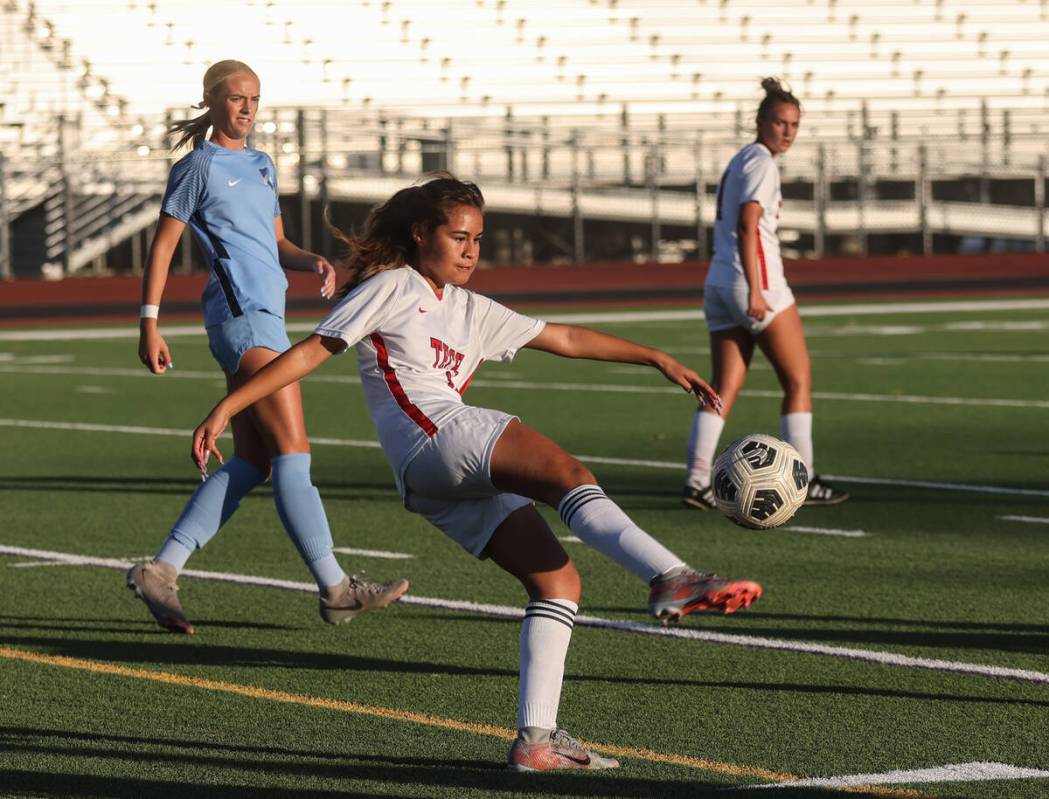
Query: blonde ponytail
pixel 194 130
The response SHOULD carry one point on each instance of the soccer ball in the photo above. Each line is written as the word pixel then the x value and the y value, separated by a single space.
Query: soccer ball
pixel 760 481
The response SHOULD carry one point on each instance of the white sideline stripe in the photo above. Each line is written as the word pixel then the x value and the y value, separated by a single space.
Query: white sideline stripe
pixel 571 539
pixel 604 388
pixel 852 309
pixel 504 611
pixel 1028 519
pixel 954 772
pixel 979 489
pixel 794 528
pixel 373 553
pixel 349 442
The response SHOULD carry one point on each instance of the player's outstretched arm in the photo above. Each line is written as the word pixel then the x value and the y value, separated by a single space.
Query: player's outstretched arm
pixel 570 341
pixel 287 368
pixel 152 349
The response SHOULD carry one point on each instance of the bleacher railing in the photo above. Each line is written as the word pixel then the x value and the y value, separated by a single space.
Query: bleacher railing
pixel 989 186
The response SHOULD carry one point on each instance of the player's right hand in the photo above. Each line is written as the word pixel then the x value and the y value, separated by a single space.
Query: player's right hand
pixel 153 351
pixel 757 307
pixel 205 439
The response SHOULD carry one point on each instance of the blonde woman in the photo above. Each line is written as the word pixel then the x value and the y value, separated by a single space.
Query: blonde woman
pixel 746 301
pixel 227 193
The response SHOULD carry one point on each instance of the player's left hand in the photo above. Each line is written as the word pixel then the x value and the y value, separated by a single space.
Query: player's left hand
pixel 205 440
pixel 327 274
pixel 689 380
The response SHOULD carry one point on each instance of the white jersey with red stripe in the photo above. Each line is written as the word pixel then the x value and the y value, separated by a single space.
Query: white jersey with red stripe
pixel 751 176
pixel 417 353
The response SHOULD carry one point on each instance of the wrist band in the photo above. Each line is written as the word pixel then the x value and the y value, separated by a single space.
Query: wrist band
pixel 149 312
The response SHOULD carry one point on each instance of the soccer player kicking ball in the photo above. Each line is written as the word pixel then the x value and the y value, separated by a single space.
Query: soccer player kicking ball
pixel 474 472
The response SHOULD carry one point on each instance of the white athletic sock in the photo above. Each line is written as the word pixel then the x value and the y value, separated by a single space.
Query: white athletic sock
pixel 545 634
pixel 797 431
pixel 600 522
pixel 702 444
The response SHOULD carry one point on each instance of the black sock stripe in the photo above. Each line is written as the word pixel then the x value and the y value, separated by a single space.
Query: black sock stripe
pixel 552 617
pixel 577 500
pixel 550 607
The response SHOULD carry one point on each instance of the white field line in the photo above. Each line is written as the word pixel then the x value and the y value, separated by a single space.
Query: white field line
pixel 1028 519
pixel 852 309
pixel 575 388
pixel 978 489
pixel 954 772
pixel 795 528
pixel 373 553
pixel 90 427
pixel 505 611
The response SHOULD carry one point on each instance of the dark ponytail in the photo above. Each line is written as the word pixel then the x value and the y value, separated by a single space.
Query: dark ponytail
pixel 388 241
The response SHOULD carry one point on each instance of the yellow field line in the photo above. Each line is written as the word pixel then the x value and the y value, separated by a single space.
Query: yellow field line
pixel 99 667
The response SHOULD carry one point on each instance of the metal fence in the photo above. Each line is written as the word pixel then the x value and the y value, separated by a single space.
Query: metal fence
pixel 941 192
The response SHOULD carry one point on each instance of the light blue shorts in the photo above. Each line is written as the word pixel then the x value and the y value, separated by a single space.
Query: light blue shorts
pixel 449 482
pixel 229 340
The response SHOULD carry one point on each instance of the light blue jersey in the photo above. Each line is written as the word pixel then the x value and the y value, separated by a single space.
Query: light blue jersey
pixel 229 198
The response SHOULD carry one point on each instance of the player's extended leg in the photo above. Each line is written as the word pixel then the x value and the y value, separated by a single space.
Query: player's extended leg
pixel 211 505
pixel 277 423
pixel 730 354
pixel 526 462
pixel 524 546
pixel 783 343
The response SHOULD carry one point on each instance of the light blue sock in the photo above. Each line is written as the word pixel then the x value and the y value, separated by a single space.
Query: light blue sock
pixel 208 509
pixel 300 508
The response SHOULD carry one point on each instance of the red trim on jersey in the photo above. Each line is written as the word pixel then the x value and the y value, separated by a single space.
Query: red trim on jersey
pixel 761 262
pixel 462 388
pixel 390 376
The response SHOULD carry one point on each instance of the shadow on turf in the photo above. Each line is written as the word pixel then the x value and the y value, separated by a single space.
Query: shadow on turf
pixel 419 773
pixel 1019 638
pixel 177 653
pixel 92 625
pixel 751 615
pixel 197 651
pixel 178 486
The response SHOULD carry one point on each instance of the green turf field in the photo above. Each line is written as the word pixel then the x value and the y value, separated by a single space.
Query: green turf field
pixel 921 646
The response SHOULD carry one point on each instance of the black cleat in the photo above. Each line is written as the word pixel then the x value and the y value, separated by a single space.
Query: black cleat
pixel 698 498
pixel 821 493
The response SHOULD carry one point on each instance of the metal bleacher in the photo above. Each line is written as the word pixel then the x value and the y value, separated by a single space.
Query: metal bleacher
pixel 595 109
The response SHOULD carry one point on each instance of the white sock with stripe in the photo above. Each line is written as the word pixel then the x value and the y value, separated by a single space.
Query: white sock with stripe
pixel 601 523
pixel 796 429
pixel 545 634
pixel 702 444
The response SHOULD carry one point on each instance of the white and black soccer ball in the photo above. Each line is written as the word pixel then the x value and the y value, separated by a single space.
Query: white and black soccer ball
pixel 759 481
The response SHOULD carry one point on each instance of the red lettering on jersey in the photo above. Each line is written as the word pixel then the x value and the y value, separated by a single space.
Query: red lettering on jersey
pixel 444 357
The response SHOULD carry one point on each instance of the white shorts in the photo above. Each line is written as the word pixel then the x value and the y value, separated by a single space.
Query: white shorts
pixel 725 307
pixel 449 481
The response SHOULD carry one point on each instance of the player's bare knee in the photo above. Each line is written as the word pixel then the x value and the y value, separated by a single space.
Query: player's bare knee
pixel 573 474
pixel 797 387
pixel 562 583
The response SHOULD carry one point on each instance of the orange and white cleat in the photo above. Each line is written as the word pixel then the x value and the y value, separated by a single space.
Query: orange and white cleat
pixel 679 594
pixel 561 750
